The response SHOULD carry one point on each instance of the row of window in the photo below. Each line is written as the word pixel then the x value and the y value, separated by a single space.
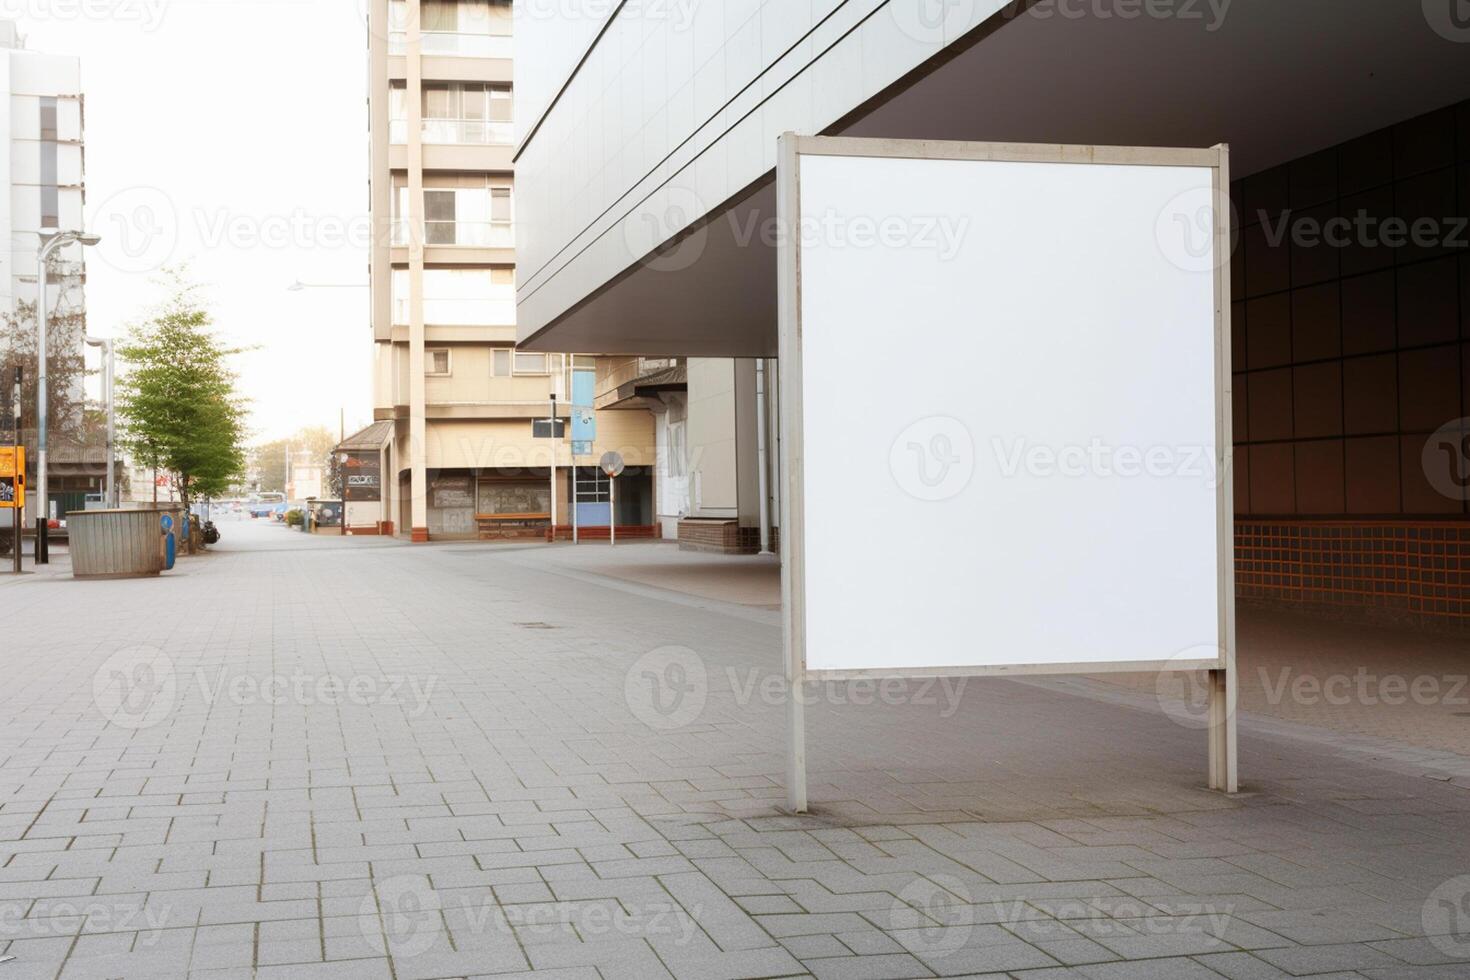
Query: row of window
pixel 50 193
pixel 461 16
pixel 462 28
pixel 456 113
pixel 476 216
pixel 504 363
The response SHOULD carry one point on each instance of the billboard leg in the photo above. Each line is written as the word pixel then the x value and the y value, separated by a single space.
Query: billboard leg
pixel 795 747
pixel 1222 729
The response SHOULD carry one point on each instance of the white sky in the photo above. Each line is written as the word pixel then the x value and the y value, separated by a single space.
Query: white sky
pixel 231 135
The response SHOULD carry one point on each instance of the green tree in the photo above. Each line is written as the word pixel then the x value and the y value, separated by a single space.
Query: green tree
pixel 69 424
pixel 177 400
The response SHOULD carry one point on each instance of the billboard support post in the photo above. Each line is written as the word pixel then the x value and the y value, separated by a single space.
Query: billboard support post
pixel 1144 196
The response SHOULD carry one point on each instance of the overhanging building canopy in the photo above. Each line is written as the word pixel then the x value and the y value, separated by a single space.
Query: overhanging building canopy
pixel 655 233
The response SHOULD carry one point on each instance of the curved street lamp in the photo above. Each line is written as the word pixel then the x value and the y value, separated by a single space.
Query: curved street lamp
pixel 49 245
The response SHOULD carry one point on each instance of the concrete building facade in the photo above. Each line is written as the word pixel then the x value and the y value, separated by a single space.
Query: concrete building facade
pixel 470 448
pixel 42 169
pixel 646 154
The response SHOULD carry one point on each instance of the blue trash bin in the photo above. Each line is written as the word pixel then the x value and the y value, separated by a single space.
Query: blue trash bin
pixel 170 546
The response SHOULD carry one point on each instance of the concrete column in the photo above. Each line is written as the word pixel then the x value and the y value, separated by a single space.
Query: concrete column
pixel 747 455
pixel 417 411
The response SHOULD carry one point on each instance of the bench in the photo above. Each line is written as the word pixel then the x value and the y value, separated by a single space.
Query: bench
pixel 493 526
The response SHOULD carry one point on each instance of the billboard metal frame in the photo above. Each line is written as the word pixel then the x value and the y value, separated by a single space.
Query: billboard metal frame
pixel 1221 722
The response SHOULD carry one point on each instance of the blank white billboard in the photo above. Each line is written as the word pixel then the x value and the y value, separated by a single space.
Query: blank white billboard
pixel 1008 414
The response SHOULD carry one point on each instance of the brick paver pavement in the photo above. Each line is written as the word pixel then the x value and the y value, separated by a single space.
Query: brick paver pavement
pixel 319 758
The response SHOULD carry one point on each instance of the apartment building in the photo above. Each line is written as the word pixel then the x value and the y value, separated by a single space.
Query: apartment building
pixel 465 443
pixel 646 161
pixel 42 170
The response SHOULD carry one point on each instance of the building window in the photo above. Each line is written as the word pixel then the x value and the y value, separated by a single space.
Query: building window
pixel 501 365
pixel 472 297
pixel 531 363
pixel 468 112
pixel 50 196
pixel 481 217
pixel 437 362
pixel 460 28
pixel 48 117
pixel 500 206
pixel 441 226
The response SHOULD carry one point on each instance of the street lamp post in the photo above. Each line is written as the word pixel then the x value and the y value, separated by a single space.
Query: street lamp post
pixel 108 380
pixel 49 245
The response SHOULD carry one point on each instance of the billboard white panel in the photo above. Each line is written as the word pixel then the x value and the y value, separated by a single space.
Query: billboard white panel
pixel 1009 398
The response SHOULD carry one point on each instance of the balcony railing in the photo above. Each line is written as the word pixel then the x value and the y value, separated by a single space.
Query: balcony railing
pixel 456 132
pixel 474 234
pixel 454 45
pixel 468 131
pixel 459 312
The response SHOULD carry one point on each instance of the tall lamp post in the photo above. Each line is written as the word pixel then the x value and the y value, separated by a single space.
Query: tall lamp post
pixel 109 377
pixel 49 245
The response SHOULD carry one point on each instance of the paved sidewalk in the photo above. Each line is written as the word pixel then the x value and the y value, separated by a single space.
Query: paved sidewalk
pixel 301 757
pixel 1373 682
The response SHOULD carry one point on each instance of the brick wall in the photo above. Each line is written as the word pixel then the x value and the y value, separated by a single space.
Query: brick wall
pixel 1410 573
pixel 723 537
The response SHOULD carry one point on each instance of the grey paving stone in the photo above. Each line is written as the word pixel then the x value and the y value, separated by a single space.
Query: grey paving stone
pixel 552 830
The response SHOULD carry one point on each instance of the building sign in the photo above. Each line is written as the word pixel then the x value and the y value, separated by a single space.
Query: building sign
pixel 363 478
pixel 12 478
pixel 450 493
pixel 584 417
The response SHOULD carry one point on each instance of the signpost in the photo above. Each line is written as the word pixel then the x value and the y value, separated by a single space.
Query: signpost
pixel 612 464
pixel 13 494
pixel 17 474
